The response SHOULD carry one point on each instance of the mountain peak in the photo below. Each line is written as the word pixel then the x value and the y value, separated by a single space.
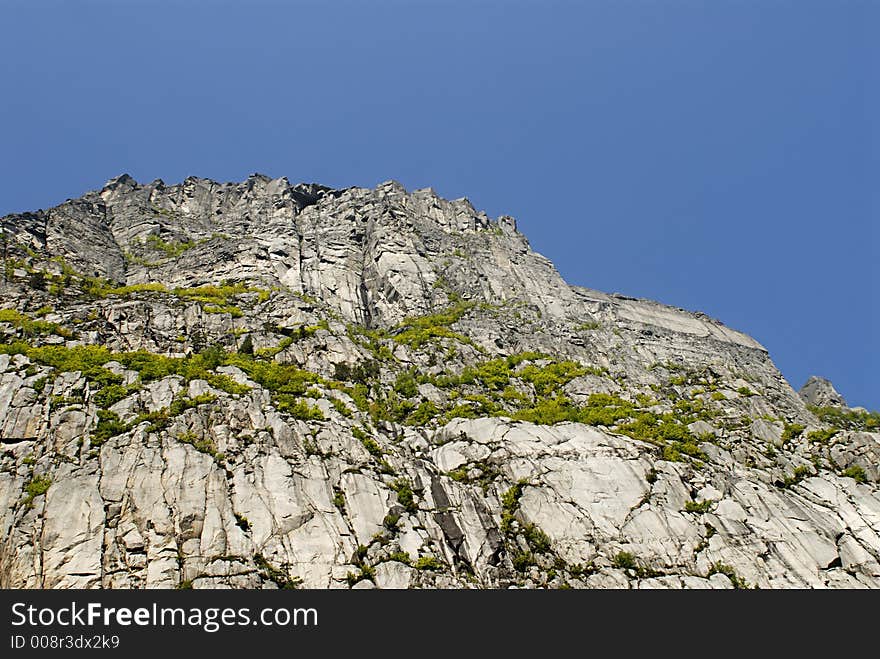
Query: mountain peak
pixel 820 392
pixel 123 180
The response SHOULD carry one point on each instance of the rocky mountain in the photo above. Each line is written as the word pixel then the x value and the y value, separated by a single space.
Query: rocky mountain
pixel 821 393
pixel 266 385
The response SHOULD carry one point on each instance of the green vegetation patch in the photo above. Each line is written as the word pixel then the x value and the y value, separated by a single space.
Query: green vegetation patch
pixel 429 563
pixel 624 560
pixel 298 408
pixel 799 474
pixel 36 486
pixel 403 488
pixel 202 444
pixel 417 331
pixel 87 359
pixel 846 419
pixel 698 507
pixel 856 472
pixel 822 436
pixel 32 328
pixel 212 298
pixel 170 248
pixel 792 431
pixel 109 425
pixel 721 568
pixel 279 576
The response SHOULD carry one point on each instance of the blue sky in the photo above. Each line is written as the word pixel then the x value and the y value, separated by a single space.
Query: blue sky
pixel 720 156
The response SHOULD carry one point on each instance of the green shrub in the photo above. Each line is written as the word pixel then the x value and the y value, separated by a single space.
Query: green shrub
pixel 459 475
pixel 428 563
pixel 372 447
pixel 277 378
pixel 547 411
pixel 342 372
pixel 225 383
pixel 730 573
pixel 37 279
pixel 792 431
pixel 400 557
pixel 493 374
pixel 161 419
pixel 522 560
pixel 150 366
pixel 671 454
pixel 299 409
pixel 181 404
pixel 38 485
pixel 416 332
pixel 822 436
pixel 856 472
pixel 211 294
pixel 624 560
pixel 689 448
pixel 280 577
pixel 201 444
pixel 158 420
pixel 510 504
pixel 247 346
pixel 548 379
pixel 363 372
pixel 535 537
pixel 368 443
pixel 462 411
pixel 171 249
pixel 231 309
pixel 109 425
pixel 390 521
pixel 799 474
pixel 662 430
pixel 268 353
pixel 802 471
pixel 340 407
pixel 56 402
pixel 698 507
pixel 360 394
pixel 405 497
pixel 366 572
pixel 113 393
pixel 605 410
pixel 422 414
pixel 406 385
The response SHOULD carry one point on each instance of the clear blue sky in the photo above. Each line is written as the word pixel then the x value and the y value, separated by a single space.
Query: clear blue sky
pixel 721 156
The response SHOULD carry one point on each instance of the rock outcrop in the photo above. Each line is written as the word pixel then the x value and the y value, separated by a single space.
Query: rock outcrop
pixel 819 392
pixel 266 385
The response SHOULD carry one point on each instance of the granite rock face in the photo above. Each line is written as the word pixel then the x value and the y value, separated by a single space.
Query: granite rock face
pixel 266 385
pixel 821 393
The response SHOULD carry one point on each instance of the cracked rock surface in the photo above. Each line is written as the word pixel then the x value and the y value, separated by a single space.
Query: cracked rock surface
pixel 267 385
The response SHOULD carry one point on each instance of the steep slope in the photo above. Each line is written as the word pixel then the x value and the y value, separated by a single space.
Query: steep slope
pixel 262 384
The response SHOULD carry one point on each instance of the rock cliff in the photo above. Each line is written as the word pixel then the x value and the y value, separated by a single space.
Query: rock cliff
pixel 266 385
